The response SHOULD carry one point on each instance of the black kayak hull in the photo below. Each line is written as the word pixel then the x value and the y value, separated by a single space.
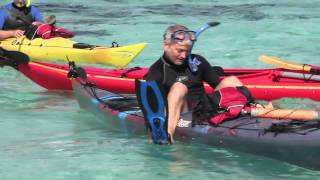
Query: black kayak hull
pixel 244 134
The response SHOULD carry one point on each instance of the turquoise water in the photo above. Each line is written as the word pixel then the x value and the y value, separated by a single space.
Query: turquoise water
pixel 45 135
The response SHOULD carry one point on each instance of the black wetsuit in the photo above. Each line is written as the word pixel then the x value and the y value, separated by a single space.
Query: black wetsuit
pixel 167 73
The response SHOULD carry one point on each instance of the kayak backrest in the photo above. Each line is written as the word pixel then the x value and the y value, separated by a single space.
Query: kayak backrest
pixel 83 46
pixel 219 70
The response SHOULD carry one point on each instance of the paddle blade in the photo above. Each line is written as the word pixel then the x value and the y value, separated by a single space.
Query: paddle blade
pixel 17 56
pixel 13 58
pixel 284 63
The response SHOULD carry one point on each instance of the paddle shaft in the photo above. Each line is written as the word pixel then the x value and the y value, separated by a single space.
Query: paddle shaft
pixel 307 77
pixel 277 114
pixel 292 114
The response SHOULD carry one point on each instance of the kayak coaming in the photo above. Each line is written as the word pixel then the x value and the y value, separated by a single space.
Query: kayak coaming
pixel 244 134
pixel 62 49
pixel 85 100
pixel 263 83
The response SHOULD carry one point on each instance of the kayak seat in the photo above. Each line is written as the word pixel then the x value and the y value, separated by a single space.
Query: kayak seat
pixel 83 46
pixel 123 104
pixel 219 70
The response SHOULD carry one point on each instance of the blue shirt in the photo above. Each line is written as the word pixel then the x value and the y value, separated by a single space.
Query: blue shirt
pixel 4 15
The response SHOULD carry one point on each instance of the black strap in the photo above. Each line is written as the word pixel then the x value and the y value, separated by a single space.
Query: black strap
pixel 245 91
pixel 125 74
pixel 31 32
pixel 297 127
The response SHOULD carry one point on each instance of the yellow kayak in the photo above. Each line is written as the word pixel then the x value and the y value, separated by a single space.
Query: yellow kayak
pixel 63 49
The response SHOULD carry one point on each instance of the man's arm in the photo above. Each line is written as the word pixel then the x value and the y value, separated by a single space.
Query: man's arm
pixel 36 14
pixel 3 17
pixel 212 78
pixel 209 74
pixel 155 72
pixel 7 34
pixel 4 34
pixel 11 33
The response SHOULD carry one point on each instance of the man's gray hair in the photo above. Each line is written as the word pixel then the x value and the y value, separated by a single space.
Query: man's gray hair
pixel 167 36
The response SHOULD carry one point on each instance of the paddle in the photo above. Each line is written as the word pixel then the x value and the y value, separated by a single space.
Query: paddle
pixel 193 63
pixel 289 65
pixel 13 58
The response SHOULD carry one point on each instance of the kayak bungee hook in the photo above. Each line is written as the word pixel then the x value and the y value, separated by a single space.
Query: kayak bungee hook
pixel 114 44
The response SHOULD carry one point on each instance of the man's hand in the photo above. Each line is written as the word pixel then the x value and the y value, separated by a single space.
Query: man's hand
pixel 17 33
pixel 37 23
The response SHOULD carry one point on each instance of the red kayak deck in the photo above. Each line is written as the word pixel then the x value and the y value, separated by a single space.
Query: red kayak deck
pixel 265 84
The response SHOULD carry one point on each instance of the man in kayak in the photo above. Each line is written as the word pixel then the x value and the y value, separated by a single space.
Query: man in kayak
pixel 173 73
pixel 15 17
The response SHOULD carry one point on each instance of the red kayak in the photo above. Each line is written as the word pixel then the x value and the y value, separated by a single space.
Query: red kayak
pixel 265 84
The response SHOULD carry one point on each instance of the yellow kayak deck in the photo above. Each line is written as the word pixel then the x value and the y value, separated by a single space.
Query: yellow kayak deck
pixel 65 49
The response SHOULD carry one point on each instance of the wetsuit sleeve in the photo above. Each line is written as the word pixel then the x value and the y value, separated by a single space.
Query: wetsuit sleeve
pixel 154 74
pixel 209 74
pixel 3 17
pixel 36 14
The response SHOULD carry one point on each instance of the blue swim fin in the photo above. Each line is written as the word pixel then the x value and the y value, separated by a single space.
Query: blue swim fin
pixel 154 108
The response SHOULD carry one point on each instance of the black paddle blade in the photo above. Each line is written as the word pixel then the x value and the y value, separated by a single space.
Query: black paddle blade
pixel 13 58
pixel 17 56
pixel 213 23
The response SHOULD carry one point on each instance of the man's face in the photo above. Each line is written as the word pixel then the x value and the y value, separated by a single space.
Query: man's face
pixel 177 52
pixel 20 3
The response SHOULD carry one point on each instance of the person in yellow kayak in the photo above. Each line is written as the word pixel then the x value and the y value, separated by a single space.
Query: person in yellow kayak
pixel 181 85
pixel 15 17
